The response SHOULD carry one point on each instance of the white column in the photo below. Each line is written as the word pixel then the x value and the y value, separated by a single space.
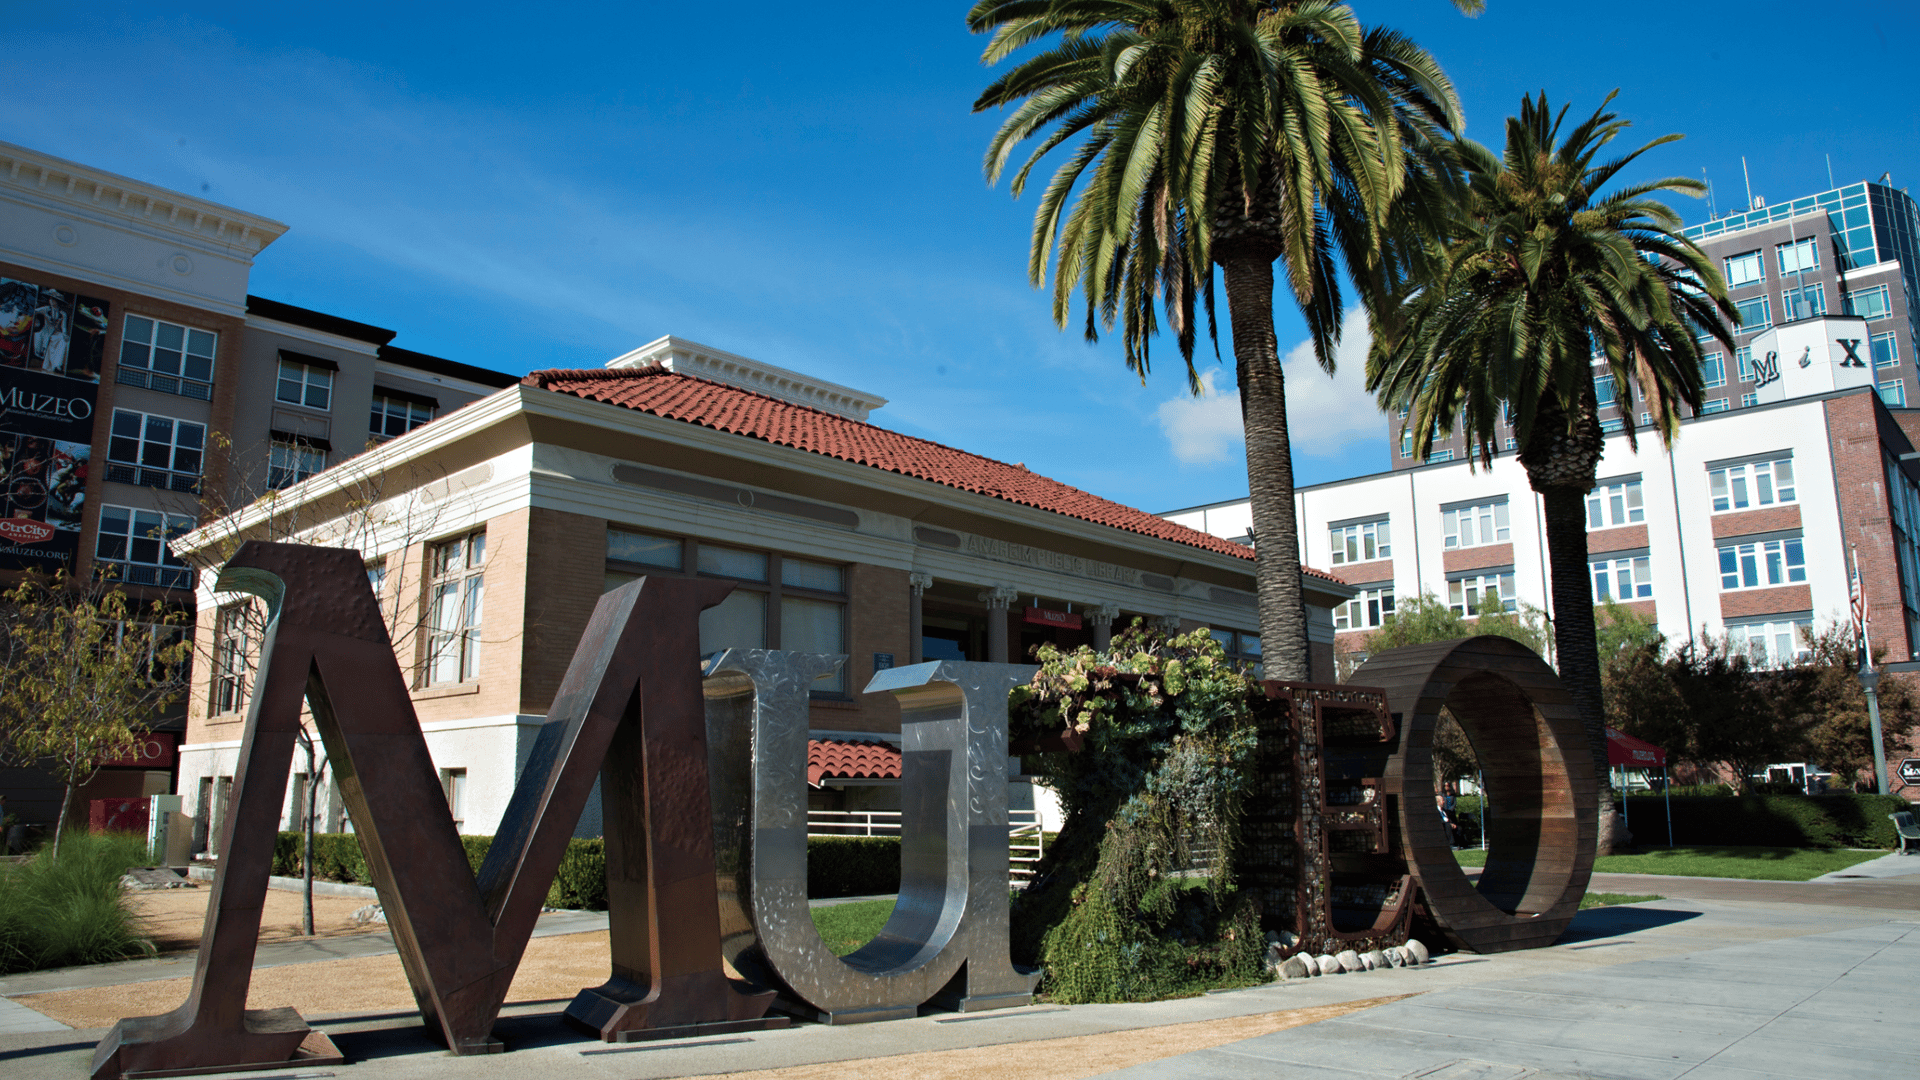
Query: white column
pixel 916 627
pixel 998 599
pixel 1102 617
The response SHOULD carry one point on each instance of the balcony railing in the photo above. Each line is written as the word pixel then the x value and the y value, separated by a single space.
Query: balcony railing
pixel 1026 842
pixel 121 472
pixel 166 384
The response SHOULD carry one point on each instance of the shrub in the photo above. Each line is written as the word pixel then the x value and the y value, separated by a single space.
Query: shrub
pixel 1770 820
pixel 581 882
pixel 73 910
pixel 853 866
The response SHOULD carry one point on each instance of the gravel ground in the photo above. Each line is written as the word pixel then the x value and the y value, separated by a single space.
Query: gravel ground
pixel 173 918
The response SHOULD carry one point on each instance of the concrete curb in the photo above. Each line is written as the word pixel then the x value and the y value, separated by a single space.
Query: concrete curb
pixel 294 884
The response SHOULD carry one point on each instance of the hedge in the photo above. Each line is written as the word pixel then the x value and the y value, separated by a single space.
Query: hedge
pixel 1841 820
pixel 836 866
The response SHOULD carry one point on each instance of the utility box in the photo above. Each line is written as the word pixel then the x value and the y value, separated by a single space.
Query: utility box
pixel 162 828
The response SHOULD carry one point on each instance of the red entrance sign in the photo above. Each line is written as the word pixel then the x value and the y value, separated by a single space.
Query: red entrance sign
pixel 1050 617
pixel 156 750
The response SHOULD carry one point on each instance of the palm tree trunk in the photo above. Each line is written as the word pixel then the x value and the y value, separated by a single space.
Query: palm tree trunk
pixel 1574 639
pixel 1263 412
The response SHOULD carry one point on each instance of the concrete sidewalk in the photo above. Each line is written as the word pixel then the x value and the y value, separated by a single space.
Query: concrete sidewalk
pixel 1738 956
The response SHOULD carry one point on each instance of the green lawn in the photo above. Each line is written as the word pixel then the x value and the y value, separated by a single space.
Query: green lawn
pixel 846 927
pixel 1752 863
pixel 1609 899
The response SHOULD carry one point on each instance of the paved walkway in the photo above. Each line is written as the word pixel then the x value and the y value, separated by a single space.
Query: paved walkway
pixel 1708 983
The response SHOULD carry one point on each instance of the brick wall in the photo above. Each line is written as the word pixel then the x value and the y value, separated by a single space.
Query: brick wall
pixel 1476 558
pixel 1624 538
pixel 564 577
pixel 1749 522
pixel 877 599
pixel 1748 603
pixel 1866 523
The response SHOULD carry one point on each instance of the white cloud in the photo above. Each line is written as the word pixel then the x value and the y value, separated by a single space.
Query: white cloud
pixel 1325 415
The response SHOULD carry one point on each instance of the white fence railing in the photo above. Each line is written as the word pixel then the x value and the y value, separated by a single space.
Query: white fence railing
pixel 1026 842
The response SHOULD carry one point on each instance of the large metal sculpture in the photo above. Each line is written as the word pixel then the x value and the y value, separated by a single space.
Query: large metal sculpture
pixel 947 936
pixel 630 699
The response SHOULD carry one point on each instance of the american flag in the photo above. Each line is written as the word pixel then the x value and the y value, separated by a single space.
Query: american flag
pixel 1862 618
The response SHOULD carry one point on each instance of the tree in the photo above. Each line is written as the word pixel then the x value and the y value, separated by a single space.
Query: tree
pixel 1541 275
pixel 1839 736
pixel 84 668
pixel 1229 133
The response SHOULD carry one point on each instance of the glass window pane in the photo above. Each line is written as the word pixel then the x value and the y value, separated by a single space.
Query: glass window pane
pixel 814 626
pixel 738 622
pixel 733 563
pixel 644 548
pixel 803 574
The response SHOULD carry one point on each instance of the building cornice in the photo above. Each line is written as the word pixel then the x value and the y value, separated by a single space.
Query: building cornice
pixel 684 357
pixel 310 335
pixel 103 196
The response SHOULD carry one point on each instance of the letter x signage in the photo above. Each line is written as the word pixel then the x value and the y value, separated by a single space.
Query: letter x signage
pixel 1852 345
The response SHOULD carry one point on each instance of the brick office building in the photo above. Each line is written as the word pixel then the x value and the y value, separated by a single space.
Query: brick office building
pixel 503 523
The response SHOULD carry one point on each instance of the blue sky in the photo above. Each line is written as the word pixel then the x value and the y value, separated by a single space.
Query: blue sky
pixel 524 188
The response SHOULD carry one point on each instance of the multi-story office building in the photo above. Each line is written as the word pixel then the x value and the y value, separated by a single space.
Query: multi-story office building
pixel 1852 251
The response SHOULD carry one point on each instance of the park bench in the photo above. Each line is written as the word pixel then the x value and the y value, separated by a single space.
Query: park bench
pixel 1903 825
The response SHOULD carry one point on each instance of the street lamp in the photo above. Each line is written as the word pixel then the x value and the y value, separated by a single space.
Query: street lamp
pixel 1870 681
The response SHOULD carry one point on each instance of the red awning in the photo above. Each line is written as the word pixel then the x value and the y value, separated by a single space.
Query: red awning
pixel 1623 749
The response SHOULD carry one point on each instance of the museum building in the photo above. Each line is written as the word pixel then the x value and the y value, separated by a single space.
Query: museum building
pixel 499 526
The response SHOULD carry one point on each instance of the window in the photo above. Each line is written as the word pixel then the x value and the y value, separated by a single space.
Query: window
pixel 1760 483
pixel 1440 455
pixel 394 415
pixel 1894 393
pixel 1746 269
pixel 1798 256
pixel 291 459
pixel 1513 443
pixel 1762 564
pixel 305 384
pixel 1603 389
pixel 229 659
pixel 1754 313
pixel 155 451
pixel 167 357
pixel 1773 643
pixel 1368 609
pixel 456 588
pixel 1749 399
pixel 1886 350
pixel 1713 405
pixel 1471 526
pixel 1743 356
pixel 133 547
pixel 377 577
pixel 1406 444
pixel 1803 302
pixel 781 602
pixel 1622 578
pixel 1467 595
pixel 454 783
pixel 1713 370
pixel 1364 542
pixel 1613 425
pixel 1869 303
pixel 1241 647
pixel 1614 504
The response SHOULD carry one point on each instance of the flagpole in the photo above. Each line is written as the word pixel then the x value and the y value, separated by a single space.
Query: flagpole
pixel 1869 678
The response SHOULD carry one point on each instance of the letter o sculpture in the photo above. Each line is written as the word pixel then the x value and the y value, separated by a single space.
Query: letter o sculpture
pixel 1540 788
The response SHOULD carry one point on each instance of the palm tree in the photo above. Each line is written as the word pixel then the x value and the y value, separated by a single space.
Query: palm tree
pixel 1542 278
pixel 1234 133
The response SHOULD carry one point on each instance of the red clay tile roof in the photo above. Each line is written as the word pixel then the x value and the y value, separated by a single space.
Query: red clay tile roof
pixel 834 759
pixel 664 393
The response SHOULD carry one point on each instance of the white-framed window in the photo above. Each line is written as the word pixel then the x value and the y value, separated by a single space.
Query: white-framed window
pixel 1749 399
pixel 1406 444
pixel 1480 523
pixel 393 415
pixel 1870 303
pixel 167 357
pixel 291 459
pixel 1513 443
pixel 155 451
pixel 778 602
pixel 1755 313
pixel 1439 456
pixel 229 659
pixel 1361 542
pixel 1613 425
pixel 453 782
pixel 1714 405
pixel 1894 393
pixel 1617 503
pixel 1746 269
pixel 1713 370
pixel 1743 358
pixel 305 384
pixel 1885 349
pixel 1753 483
pixel 133 547
pixel 1772 643
pixel 1762 564
pixel 1368 609
pixel 1466 595
pixel 1603 389
pixel 1626 577
pixel 456 588
pixel 1803 302
pixel 1798 256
